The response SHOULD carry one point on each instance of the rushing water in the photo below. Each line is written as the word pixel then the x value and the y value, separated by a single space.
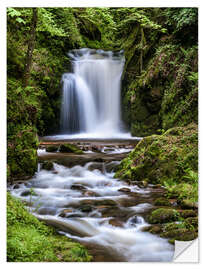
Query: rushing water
pixel 92 207
pixel 91 94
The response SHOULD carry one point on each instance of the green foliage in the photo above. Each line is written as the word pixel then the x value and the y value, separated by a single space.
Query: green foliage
pixel 47 22
pixel 29 240
pixel 180 18
pixel 12 12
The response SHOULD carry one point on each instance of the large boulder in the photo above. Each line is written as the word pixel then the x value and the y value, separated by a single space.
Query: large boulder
pixel 163 215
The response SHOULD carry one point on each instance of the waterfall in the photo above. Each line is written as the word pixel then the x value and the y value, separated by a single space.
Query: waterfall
pixel 91 94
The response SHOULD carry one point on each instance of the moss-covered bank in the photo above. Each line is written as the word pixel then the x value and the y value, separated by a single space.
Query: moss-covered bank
pixel 170 159
pixel 29 240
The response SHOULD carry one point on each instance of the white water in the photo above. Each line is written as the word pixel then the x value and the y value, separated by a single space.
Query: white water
pixel 54 193
pixel 91 95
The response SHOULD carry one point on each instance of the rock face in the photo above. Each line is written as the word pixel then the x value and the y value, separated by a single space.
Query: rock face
pixel 159 97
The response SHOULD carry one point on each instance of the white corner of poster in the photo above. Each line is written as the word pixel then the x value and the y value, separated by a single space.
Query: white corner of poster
pixel 186 251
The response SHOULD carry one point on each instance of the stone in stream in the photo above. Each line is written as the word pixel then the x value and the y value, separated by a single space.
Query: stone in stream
pixel 162 202
pixel 52 148
pixel 115 222
pixel 96 148
pixel 16 186
pixel 187 204
pixel 90 193
pixel 154 229
pixel 86 208
pixel 78 187
pixel 124 190
pixel 163 215
pixel 47 165
pixel 70 148
pixel 95 165
pixel 26 193
pixel 65 212
pixel 107 202
pixel 47 211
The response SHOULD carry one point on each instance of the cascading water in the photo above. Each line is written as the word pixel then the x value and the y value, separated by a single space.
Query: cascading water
pixel 91 94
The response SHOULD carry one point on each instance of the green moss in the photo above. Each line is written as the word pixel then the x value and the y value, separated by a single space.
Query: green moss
pixel 188 213
pixel 47 165
pixel 52 148
pixel 180 234
pixel 29 240
pixel 163 159
pixel 163 215
pixel 70 148
pixel 162 202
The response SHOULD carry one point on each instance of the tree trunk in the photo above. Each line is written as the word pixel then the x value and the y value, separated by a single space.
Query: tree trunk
pixel 31 45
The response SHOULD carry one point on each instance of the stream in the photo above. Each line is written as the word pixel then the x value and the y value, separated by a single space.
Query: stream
pixel 83 200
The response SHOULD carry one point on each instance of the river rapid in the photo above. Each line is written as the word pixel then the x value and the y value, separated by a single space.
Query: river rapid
pixel 83 200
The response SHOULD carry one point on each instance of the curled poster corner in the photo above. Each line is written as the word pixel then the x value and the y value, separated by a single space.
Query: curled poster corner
pixel 186 251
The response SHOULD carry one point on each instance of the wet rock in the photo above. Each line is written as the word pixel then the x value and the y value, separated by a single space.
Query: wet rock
pixel 52 148
pixel 65 212
pixel 154 229
pixel 115 223
pixel 124 190
pixel 26 193
pixel 181 234
pixel 144 183
pixel 89 202
pixel 75 215
pixel 90 194
pixel 163 215
pixel 70 148
pixel 98 160
pixel 86 208
pixel 16 186
pixel 96 148
pixel 162 202
pixel 187 213
pixel 105 202
pixel 78 187
pixel 187 204
pixel 109 149
pixel 95 165
pixel 111 167
pixel 47 165
pixel 47 211
pixel 192 221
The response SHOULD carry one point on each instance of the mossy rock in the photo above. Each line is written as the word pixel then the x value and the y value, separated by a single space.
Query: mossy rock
pixel 47 165
pixel 162 202
pixel 70 148
pixel 167 160
pixel 188 204
pixel 163 215
pixel 154 229
pixel 52 148
pixel 192 221
pixel 181 234
pixel 187 213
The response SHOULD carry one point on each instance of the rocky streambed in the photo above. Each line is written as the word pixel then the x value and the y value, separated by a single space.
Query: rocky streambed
pixel 78 194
